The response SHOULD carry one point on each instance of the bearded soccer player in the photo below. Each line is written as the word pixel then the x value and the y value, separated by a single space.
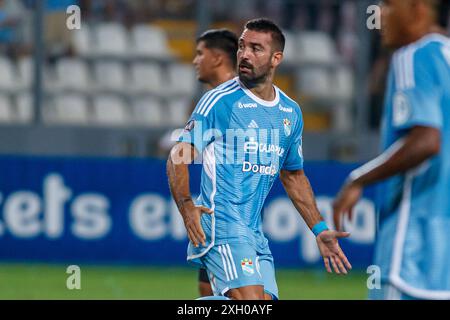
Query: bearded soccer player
pixel 215 63
pixel 249 132
pixel 413 237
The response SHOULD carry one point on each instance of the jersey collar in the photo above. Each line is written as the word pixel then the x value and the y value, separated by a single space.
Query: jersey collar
pixel 265 103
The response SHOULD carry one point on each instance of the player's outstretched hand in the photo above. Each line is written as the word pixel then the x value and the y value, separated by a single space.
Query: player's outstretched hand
pixel 191 217
pixel 331 251
pixel 344 203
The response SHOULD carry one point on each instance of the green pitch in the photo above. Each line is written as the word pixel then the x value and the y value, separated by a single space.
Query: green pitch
pixel 43 281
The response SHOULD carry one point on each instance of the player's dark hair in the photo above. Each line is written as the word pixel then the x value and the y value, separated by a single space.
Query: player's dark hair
pixel 221 39
pixel 267 25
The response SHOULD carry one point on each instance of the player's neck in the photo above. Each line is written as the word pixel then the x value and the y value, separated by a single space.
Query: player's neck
pixel 222 77
pixel 263 90
pixel 419 34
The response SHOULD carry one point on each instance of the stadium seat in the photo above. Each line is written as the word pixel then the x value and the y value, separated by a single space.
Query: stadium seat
pixel 290 49
pixel 8 76
pixel 149 41
pixel 72 74
pixel 69 109
pixel 26 75
pixel 177 111
pixel 342 83
pixel 6 109
pixel 315 47
pixel 314 82
pixel 24 108
pixel 111 39
pixel 82 40
pixel 147 112
pixel 181 79
pixel 146 78
pixel 110 75
pixel 26 72
pixel 110 110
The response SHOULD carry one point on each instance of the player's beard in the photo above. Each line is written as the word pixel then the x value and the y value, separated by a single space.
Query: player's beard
pixel 254 77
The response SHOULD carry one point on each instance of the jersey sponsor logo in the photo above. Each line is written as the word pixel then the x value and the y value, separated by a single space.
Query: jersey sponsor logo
pixel 258 168
pixel 284 109
pixel 252 147
pixel 287 127
pixel 402 109
pixel 247 105
pixel 271 148
pixel 247 267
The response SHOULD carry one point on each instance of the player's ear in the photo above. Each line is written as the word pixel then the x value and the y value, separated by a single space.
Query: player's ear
pixel 217 59
pixel 277 57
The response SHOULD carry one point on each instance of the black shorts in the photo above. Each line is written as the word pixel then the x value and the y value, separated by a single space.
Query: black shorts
pixel 203 275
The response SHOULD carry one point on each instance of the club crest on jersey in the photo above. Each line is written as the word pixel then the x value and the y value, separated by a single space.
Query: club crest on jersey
pixel 287 127
pixel 247 267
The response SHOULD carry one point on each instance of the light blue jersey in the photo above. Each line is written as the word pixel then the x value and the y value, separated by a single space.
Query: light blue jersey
pixel 413 240
pixel 245 142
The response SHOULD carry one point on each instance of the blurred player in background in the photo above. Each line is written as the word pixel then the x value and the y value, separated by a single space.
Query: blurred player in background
pixel 215 57
pixel 413 236
pixel 248 132
pixel 215 63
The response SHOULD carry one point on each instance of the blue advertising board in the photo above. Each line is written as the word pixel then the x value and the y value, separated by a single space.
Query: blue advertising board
pixel 120 211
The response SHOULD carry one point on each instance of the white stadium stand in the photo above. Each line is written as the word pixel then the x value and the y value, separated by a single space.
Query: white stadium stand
pixel 82 41
pixel 176 113
pixel 315 47
pixel 68 109
pixel 110 110
pixel 6 109
pixel 110 75
pixel 24 108
pixel 314 81
pixel 147 111
pixel 146 78
pixel 149 41
pixel 182 79
pixel 72 74
pixel 8 79
pixel 111 39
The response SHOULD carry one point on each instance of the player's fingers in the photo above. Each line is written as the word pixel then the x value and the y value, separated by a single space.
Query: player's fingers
pixel 335 267
pixel 206 210
pixel 340 264
pixel 341 234
pixel 192 237
pixel 198 232
pixel 327 264
pixel 344 259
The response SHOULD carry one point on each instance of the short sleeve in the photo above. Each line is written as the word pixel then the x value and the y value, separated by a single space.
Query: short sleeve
pixel 294 157
pixel 417 100
pixel 205 124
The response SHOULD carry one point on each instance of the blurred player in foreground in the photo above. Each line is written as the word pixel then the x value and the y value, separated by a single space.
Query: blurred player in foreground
pixel 215 63
pixel 413 236
pixel 248 132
